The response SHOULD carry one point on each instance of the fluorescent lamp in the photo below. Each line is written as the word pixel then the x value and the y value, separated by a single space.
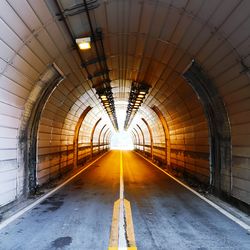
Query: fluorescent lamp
pixel 83 43
pixel 103 97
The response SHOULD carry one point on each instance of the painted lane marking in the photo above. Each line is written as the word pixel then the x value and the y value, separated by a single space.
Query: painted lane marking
pixel 114 243
pixel 122 223
pixel 129 223
pixel 113 240
pixel 217 207
pixel 41 199
pixel 121 177
pixel 122 235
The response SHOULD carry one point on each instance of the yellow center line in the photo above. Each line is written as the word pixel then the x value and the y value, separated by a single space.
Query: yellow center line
pixel 122 223
pixel 122 230
pixel 121 177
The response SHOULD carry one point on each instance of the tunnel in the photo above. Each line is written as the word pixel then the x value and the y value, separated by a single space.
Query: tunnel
pixel 165 80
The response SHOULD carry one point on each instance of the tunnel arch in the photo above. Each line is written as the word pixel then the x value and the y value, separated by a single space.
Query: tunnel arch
pixel 104 136
pixel 28 134
pixel 154 122
pixel 166 133
pixel 63 145
pixel 99 138
pixel 134 136
pixel 76 134
pixel 92 136
pixel 155 45
pixel 219 128
pixel 143 138
pixel 137 137
pixel 151 138
pixel 108 137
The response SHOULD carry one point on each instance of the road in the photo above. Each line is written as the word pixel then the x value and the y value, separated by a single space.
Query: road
pixel 165 214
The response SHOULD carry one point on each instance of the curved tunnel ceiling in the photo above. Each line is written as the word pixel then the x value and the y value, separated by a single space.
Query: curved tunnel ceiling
pixel 144 41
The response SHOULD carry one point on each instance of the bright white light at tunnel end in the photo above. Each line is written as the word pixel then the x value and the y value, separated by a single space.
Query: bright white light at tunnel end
pixel 121 140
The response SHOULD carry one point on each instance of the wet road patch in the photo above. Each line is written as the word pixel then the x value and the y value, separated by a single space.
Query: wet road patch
pixel 54 203
pixel 61 242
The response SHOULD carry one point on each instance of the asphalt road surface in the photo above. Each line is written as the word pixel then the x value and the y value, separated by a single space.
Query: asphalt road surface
pixel 165 214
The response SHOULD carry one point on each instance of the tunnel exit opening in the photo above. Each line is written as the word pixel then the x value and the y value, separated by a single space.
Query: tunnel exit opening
pixel 121 141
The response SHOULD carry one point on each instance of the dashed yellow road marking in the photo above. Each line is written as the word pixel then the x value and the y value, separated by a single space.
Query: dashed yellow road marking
pixel 130 227
pixel 113 240
pixel 122 235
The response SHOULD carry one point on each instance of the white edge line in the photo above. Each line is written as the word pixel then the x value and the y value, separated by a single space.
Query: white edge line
pixel 29 207
pixel 220 209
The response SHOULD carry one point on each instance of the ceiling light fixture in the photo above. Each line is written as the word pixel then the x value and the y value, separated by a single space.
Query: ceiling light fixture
pixel 103 97
pixel 100 79
pixel 104 91
pixel 84 43
pixel 137 94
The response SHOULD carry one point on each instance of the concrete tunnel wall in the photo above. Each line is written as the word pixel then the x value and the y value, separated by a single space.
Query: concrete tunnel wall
pixel 188 133
pixel 56 141
pixel 162 38
pixel 157 133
